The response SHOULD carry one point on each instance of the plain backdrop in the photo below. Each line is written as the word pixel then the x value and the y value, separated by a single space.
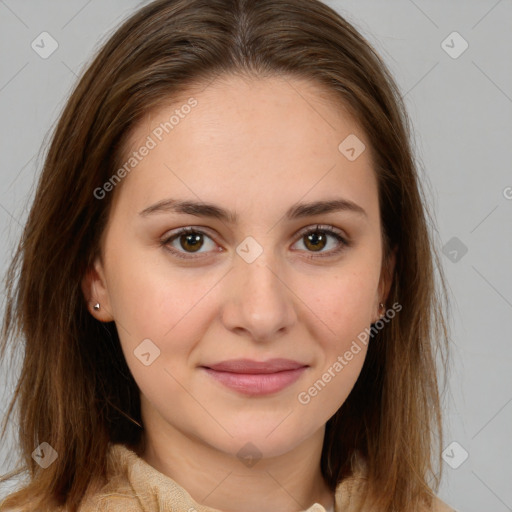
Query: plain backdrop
pixel 452 62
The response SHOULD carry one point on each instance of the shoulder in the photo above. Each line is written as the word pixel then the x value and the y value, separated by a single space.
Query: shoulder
pixel 351 491
pixel 114 492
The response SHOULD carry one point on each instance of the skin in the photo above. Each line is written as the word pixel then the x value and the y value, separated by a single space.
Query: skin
pixel 255 147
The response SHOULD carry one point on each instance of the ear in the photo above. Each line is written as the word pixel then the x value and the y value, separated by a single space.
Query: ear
pixel 94 288
pixel 386 280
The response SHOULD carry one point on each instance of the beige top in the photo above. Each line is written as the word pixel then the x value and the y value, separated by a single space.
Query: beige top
pixel 135 486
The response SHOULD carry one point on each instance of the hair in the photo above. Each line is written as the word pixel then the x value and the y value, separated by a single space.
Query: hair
pixel 392 415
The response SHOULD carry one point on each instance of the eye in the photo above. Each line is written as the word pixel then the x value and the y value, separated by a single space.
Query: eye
pixel 315 240
pixel 187 241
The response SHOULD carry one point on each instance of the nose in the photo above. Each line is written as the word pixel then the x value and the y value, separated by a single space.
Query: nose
pixel 258 302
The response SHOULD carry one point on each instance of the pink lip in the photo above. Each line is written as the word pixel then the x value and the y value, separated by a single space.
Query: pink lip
pixel 256 378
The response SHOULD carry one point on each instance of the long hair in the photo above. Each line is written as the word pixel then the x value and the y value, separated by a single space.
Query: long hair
pixel 75 391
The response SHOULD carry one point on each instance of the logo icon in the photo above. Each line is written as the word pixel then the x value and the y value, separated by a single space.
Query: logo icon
pixel 455 455
pixel 44 455
pixel 454 249
pixel 351 147
pixel 249 455
pixel 454 45
pixel 44 45
pixel 147 352
pixel 249 249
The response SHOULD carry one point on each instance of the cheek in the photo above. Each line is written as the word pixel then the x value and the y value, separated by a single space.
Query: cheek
pixel 171 309
pixel 146 298
pixel 342 303
pixel 339 320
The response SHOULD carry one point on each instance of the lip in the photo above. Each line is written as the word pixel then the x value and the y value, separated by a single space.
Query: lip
pixel 256 377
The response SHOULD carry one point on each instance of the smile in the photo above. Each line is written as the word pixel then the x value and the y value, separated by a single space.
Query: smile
pixel 256 378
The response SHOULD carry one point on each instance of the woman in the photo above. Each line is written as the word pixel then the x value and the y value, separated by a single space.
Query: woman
pixel 225 285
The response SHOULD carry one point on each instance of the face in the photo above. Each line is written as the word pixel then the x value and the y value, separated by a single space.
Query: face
pixel 257 276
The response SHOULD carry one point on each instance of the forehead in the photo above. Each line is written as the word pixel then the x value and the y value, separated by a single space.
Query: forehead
pixel 247 137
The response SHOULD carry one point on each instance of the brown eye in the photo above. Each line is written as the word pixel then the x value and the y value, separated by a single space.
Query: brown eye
pixel 315 241
pixel 187 241
pixel 191 241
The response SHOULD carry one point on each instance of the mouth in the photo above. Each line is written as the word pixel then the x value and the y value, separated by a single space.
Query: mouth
pixel 254 377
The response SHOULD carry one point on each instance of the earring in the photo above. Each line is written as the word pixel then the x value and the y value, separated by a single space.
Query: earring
pixel 96 306
pixel 381 306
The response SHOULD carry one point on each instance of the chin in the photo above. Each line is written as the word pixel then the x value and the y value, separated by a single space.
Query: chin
pixel 262 439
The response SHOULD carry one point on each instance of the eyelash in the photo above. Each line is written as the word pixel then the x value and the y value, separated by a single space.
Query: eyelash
pixel 329 230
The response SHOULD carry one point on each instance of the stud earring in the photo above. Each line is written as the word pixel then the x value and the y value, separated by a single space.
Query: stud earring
pixel 381 306
pixel 96 306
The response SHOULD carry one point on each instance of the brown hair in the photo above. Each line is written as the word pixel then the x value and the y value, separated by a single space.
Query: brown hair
pixel 75 390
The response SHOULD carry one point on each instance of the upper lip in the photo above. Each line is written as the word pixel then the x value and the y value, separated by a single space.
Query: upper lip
pixel 251 366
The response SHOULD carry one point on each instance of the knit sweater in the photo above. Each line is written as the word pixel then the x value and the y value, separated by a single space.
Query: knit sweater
pixel 135 486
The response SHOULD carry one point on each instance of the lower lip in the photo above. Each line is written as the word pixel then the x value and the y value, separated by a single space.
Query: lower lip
pixel 256 383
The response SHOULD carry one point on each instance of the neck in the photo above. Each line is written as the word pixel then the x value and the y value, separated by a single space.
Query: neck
pixel 288 483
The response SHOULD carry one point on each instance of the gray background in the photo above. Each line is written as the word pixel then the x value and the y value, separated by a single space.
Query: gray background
pixel 461 109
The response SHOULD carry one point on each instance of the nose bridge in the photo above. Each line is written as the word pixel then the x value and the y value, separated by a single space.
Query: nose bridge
pixel 258 300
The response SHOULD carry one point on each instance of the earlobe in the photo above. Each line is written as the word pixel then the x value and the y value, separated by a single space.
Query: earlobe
pixel 94 288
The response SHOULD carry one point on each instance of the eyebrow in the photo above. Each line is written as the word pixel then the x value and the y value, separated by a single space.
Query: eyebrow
pixel 297 211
